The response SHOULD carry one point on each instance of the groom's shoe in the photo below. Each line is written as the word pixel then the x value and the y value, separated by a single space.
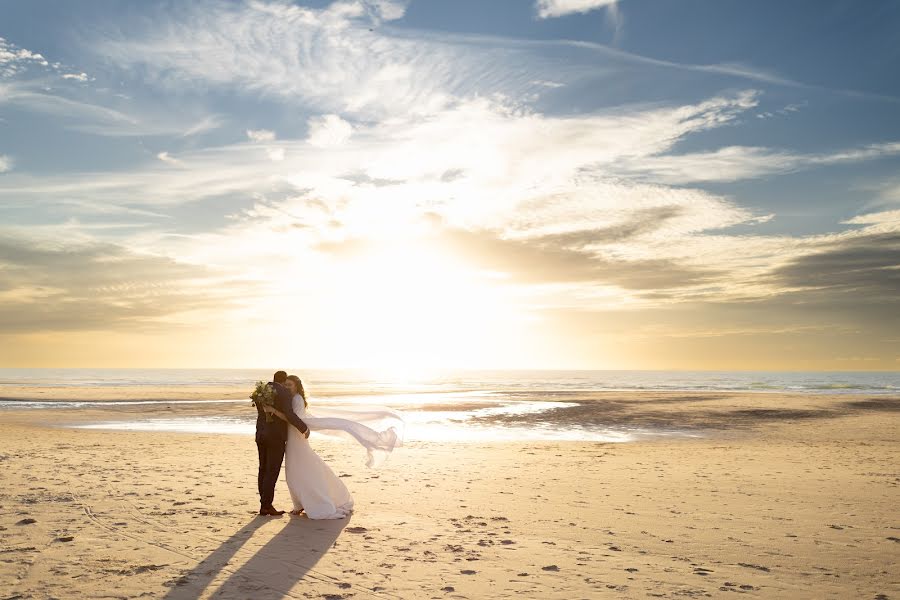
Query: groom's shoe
pixel 270 511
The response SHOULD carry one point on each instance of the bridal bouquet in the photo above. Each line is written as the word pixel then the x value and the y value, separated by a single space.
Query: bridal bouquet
pixel 263 395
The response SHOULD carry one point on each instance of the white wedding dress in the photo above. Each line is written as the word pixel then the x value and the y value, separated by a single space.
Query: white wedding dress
pixel 313 485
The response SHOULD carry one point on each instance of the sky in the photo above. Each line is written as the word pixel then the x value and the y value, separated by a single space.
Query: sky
pixel 407 185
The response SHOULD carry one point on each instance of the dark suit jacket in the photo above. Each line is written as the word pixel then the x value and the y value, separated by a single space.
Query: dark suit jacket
pixel 278 429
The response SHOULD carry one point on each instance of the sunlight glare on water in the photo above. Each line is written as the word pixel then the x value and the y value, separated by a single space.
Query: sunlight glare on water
pixel 423 425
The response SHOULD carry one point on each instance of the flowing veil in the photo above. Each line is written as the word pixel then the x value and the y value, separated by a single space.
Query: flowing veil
pixel 378 430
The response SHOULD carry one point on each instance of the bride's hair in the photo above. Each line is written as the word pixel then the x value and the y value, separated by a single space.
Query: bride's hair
pixel 300 389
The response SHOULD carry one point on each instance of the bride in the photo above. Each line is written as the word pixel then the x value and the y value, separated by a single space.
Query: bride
pixel 314 487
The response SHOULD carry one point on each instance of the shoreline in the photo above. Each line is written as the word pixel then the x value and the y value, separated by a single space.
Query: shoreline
pixel 593 417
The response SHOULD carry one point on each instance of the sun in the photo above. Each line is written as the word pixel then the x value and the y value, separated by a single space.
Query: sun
pixel 405 305
pixel 409 306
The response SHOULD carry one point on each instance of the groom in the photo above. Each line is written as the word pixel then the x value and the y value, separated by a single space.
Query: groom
pixel 271 437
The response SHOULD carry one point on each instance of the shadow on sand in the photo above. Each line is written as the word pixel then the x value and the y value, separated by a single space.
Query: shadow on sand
pixel 270 570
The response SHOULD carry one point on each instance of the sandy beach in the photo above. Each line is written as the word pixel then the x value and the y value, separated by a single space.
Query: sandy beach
pixel 778 497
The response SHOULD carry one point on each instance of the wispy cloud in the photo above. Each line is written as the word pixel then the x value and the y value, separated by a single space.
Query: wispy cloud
pixel 6 163
pixel 331 61
pixel 500 158
pixel 260 135
pixel 527 188
pixel 728 69
pixel 31 83
pixel 327 58
pixel 557 8
pixel 57 285
pixel 167 158
pixel 784 111
pixel 329 131
pixel 856 264
pixel 14 59
pixel 734 163
pixel 887 217
pixel 34 97
pixel 96 117
pixel 207 123
pixel 548 9
pixel 384 10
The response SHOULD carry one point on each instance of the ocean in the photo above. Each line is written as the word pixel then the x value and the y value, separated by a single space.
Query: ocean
pixel 445 406
pixel 341 381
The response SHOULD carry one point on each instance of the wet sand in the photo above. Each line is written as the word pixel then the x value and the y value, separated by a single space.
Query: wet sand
pixel 780 497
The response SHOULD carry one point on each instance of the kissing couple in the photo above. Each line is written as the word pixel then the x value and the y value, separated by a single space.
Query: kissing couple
pixel 315 489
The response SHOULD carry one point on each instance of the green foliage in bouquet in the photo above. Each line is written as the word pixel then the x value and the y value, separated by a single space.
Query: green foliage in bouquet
pixel 263 395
